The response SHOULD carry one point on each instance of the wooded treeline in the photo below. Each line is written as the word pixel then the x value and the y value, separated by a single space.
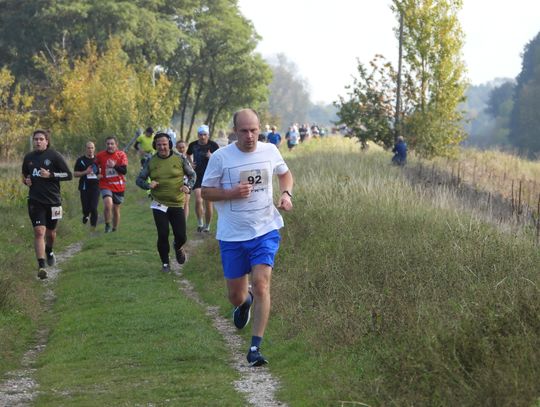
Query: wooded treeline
pixel 506 113
pixel 434 113
pixel 418 100
pixel 95 68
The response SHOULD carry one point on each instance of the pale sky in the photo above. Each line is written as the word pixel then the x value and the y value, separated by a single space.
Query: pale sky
pixel 324 38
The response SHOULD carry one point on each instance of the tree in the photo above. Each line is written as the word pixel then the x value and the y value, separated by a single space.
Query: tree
pixel 206 47
pixel 432 42
pixel 215 67
pixel 103 94
pixel 488 107
pixel 431 79
pixel 15 117
pixel 500 98
pixel 149 29
pixel 289 97
pixel 369 108
pixel 525 120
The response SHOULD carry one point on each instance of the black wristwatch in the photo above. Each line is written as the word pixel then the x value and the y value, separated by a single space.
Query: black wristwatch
pixel 287 192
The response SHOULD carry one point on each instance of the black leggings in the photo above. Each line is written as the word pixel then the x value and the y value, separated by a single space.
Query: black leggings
pixel 89 201
pixel 177 219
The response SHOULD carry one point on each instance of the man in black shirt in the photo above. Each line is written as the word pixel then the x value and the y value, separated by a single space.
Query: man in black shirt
pixel 199 152
pixel 42 171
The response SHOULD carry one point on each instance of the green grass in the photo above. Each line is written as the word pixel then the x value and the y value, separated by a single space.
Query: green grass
pixel 125 335
pixel 20 293
pixel 386 295
pixel 383 293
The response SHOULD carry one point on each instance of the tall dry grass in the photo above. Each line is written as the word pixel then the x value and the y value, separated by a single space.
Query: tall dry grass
pixel 513 178
pixel 414 297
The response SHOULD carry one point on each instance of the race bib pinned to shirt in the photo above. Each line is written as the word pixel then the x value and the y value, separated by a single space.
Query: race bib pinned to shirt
pixel 259 179
pixel 56 212
pixel 159 206
pixel 110 172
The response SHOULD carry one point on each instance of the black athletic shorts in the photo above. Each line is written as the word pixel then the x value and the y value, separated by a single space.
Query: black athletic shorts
pixel 41 214
pixel 198 181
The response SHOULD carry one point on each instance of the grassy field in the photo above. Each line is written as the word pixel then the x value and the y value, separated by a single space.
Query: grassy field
pixel 387 295
pixel 515 179
pixel 20 292
pixel 383 294
pixel 124 334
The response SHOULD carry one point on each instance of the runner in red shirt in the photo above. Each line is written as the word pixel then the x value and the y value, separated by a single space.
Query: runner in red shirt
pixel 112 164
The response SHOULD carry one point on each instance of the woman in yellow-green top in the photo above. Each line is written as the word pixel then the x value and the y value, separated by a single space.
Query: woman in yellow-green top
pixel 163 174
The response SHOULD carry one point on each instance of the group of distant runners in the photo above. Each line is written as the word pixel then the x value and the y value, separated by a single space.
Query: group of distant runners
pixel 295 134
pixel 236 178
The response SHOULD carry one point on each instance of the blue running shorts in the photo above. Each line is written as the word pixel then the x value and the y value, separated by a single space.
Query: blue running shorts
pixel 238 258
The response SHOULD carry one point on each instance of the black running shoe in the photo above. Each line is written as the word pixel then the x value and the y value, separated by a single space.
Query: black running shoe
pixel 51 259
pixel 166 268
pixel 242 313
pixel 181 256
pixel 42 273
pixel 255 357
pixel 108 229
pixel 85 220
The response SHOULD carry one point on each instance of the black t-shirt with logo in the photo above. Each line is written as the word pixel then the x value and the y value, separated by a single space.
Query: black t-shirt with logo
pixel 45 190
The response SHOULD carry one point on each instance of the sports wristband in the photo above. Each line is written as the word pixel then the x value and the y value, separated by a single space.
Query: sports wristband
pixel 287 192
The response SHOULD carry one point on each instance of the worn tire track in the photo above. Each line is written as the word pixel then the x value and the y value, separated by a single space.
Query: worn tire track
pixel 19 387
pixel 257 384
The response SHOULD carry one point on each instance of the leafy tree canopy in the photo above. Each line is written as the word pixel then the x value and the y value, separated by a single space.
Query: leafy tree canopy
pixel 525 120
pixel 102 94
pixel 15 116
pixel 148 29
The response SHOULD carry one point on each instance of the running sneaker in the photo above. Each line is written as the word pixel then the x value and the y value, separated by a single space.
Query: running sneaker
pixel 166 268
pixel 200 229
pixel 255 357
pixel 42 273
pixel 242 313
pixel 85 220
pixel 108 229
pixel 181 256
pixel 51 259
pixel 206 229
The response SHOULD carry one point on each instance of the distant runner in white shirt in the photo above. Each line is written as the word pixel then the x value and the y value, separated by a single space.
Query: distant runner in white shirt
pixel 239 180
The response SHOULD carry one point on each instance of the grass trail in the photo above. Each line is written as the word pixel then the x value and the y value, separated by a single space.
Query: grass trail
pixel 123 334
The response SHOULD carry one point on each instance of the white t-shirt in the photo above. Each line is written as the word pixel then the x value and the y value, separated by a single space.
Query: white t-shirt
pixel 247 218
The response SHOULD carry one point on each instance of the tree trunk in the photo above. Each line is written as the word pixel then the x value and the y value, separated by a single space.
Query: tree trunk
pixel 397 124
pixel 184 97
pixel 195 108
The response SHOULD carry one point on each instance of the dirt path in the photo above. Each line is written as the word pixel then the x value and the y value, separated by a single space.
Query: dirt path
pixel 19 387
pixel 257 384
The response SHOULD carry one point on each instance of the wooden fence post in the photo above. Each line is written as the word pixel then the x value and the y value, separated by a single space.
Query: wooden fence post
pixel 512 201
pixel 538 222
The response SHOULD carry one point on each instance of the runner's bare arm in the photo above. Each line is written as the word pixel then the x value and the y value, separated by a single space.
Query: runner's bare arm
pixel 240 191
pixel 285 186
